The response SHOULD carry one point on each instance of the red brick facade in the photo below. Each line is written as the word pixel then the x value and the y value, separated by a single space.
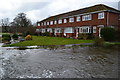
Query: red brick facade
pixel 110 19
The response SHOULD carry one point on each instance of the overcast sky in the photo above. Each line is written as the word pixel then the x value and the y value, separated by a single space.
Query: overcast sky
pixel 37 10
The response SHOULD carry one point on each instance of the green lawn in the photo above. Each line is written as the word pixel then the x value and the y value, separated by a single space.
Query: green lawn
pixel 39 40
pixel 112 43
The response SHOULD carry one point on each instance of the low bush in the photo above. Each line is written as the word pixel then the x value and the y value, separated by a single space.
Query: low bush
pixel 24 34
pixel 117 35
pixel 15 36
pixel 90 36
pixel 98 41
pixel 108 33
pixel 6 37
pixel 85 36
pixel 82 36
pixel 46 34
pixel 28 37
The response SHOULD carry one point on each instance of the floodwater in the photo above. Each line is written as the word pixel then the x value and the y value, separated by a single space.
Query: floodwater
pixel 74 62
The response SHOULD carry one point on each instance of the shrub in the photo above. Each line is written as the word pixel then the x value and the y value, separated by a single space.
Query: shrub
pixel 98 41
pixel 15 36
pixel 90 36
pixel 82 36
pixel 6 37
pixel 26 33
pixel 108 33
pixel 117 35
pixel 46 34
pixel 28 37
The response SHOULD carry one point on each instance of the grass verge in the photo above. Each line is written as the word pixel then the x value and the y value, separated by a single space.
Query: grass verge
pixel 42 40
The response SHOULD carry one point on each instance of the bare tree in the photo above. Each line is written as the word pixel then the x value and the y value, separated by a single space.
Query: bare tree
pixel 5 24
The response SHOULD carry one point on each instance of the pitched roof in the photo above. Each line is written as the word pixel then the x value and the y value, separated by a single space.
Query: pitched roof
pixel 99 7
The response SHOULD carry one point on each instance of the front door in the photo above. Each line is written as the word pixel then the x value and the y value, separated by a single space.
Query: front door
pixel 99 32
pixel 99 28
pixel 77 32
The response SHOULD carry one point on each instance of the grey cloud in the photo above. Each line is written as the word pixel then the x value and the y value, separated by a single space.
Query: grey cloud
pixel 32 6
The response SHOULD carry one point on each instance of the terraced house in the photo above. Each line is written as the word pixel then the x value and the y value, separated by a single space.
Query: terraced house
pixel 86 20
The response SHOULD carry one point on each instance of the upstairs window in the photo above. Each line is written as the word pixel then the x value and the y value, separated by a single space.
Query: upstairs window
pixel 44 23
pixel 47 23
pixel 86 17
pixel 51 22
pixel 71 19
pixel 60 21
pixel 101 15
pixel 55 22
pixel 38 24
pixel 78 18
pixel 65 20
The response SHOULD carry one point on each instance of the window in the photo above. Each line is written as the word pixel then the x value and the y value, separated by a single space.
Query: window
pixel 55 22
pixel 49 30
pixel 47 23
pixel 60 21
pixel 101 15
pixel 78 18
pixel 37 30
pixel 68 30
pixel 58 30
pixel 85 29
pixel 65 20
pixel 51 23
pixel 94 29
pixel 71 19
pixel 86 17
pixel 38 24
pixel 44 23
pixel 43 30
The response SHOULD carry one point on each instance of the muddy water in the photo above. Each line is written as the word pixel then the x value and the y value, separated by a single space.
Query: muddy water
pixel 76 62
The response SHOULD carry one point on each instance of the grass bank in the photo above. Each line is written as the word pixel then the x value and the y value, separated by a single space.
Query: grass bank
pixel 42 40
pixel 112 43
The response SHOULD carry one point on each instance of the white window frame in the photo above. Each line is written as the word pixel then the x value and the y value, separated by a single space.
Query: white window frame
pixel 101 15
pixel 49 30
pixel 71 19
pixel 78 18
pixel 94 29
pixel 86 17
pixel 38 24
pixel 37 30
pixel 55 22
pixel 43 30
pixel 60 21
pixel 65 20
pixel 51 22
pixel 85 29
pixel 47 23
pixel 69 30
pixel 58 30
pixel 44 23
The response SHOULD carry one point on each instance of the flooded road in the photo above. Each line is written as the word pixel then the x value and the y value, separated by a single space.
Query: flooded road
pixel 74 62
